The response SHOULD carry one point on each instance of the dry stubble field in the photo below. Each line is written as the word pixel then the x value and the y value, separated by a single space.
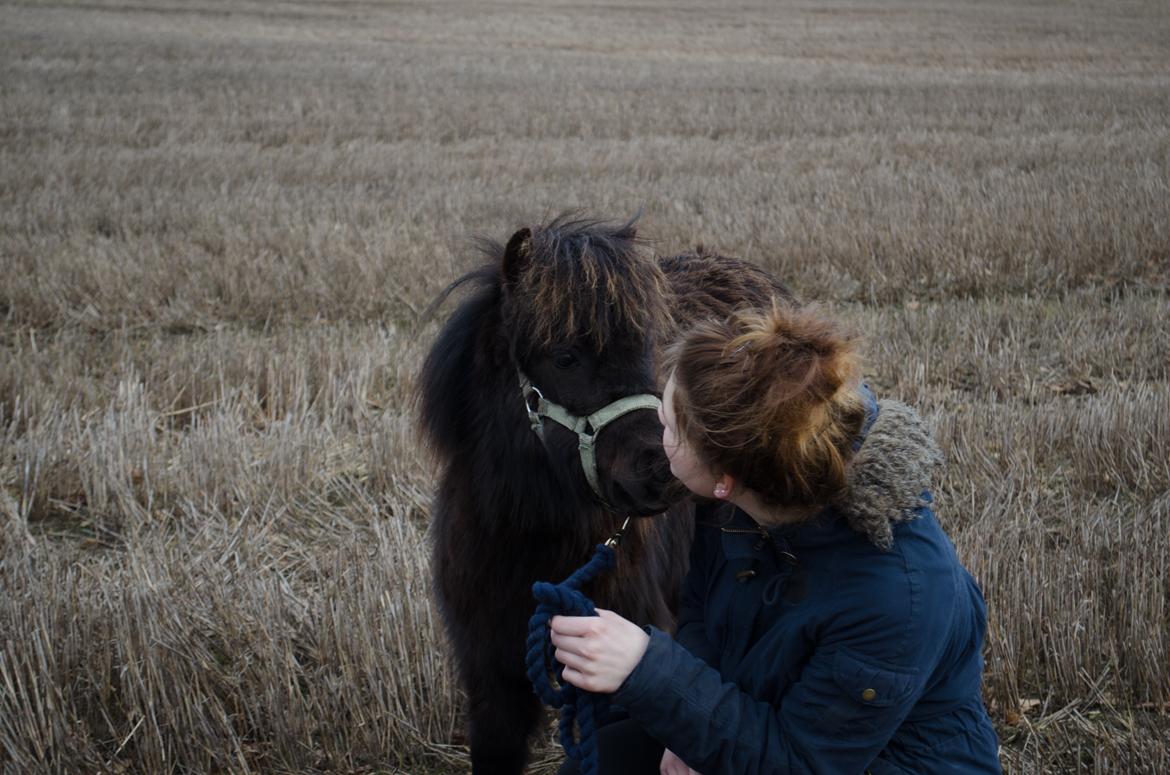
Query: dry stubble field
pixel 219 222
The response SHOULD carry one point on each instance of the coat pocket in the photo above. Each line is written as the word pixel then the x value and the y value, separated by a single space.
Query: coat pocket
pixel 871 698
pixel 871 684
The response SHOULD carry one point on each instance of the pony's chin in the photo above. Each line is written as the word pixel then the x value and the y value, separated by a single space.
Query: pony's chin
pixel 651 510
pixel 626 503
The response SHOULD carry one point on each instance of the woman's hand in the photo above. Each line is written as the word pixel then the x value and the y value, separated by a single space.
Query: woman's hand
pixel 598 652
pixel 672 765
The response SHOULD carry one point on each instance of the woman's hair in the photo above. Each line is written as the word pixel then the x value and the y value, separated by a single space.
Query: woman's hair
pixel 773 398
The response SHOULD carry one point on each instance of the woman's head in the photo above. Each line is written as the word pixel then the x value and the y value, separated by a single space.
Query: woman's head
pixel 771 398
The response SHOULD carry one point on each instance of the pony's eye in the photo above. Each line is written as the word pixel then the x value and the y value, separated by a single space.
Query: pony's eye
pixel 564 360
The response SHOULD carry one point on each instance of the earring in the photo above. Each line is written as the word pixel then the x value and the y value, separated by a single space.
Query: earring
pixel 721 490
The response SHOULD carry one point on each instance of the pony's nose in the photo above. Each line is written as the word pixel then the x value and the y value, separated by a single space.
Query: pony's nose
pixel 638 499
pixel 648 464
pixel 658 467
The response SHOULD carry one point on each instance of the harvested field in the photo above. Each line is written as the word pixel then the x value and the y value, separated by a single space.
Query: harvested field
pixel 220 221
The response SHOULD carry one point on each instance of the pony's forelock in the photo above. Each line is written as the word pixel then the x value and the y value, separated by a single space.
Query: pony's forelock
pixel 588 279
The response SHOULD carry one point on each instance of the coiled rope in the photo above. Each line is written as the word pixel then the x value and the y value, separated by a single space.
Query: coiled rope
pixel 581 711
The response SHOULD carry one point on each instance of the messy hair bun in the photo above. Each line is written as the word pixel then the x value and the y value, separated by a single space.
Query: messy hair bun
pixel 773 398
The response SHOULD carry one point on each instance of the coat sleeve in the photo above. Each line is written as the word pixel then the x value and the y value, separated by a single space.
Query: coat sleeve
pixel 836 718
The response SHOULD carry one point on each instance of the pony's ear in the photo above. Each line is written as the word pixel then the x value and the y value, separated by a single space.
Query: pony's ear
pixel 516 256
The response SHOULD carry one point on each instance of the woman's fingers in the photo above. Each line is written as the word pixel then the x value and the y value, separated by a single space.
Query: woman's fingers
pixel 670 764
pixel 575 625
pixel 572 661
pixel 581 680
pixel 570 642
pixel 577 652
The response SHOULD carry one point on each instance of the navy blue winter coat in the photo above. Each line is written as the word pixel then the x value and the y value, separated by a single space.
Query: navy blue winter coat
pixel 825 647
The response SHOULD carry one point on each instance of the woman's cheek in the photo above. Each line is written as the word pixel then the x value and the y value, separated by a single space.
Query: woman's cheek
pixel 685 471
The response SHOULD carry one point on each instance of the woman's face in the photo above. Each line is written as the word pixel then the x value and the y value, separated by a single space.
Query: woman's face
pixel 685 463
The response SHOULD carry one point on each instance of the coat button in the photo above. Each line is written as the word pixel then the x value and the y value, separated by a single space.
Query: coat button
pixel 869 695
pixel 744 576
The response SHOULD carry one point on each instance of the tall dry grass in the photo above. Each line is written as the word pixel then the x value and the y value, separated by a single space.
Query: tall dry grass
pixel 219 222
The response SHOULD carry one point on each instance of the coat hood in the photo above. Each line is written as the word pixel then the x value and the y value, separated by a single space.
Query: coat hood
pixel 890 474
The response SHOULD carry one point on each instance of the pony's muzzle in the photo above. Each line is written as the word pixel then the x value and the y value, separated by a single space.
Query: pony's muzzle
pixel 638 479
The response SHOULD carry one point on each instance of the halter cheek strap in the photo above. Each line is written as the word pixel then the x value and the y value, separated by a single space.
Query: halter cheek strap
pixel 587 428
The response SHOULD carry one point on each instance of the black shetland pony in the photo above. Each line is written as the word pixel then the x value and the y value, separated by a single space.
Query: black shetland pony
pixel 576 310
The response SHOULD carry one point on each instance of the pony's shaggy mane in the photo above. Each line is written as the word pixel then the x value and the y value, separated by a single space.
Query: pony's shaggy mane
pixel 587 279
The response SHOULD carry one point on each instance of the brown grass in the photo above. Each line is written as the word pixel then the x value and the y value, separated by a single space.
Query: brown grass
pixel 219 222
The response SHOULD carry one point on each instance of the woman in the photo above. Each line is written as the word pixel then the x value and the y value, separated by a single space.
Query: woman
pixel 826 624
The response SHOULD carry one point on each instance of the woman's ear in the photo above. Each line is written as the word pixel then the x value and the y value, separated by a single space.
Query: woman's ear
pixel 724 486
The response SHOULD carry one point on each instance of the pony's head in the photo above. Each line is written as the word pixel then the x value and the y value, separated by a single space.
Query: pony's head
pixel 581 307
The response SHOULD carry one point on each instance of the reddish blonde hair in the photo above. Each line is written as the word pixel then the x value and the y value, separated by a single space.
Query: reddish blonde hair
pixel 772 398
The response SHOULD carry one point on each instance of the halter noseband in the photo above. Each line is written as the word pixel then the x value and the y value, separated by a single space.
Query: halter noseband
pixel 587 428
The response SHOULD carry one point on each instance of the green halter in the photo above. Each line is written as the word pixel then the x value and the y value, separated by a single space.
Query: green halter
pixel 586 428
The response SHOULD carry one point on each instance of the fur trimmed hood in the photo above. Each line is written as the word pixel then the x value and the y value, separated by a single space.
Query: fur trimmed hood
pixel 890 474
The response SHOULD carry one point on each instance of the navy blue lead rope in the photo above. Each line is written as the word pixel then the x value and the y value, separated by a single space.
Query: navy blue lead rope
pixel 579 708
